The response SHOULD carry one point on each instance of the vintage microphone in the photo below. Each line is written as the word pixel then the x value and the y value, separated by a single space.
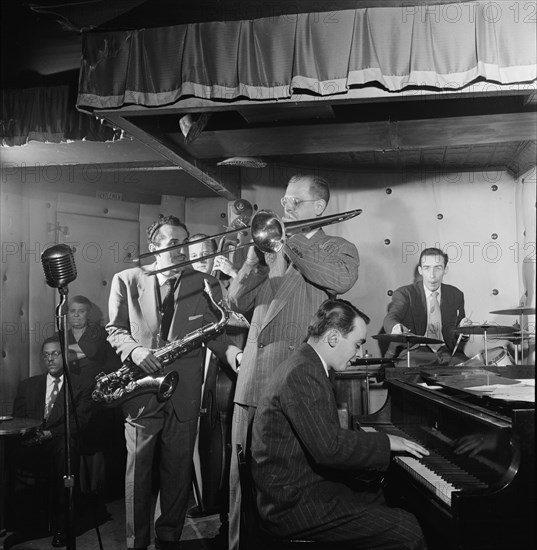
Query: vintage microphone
pixel 60 270
pixel 59 266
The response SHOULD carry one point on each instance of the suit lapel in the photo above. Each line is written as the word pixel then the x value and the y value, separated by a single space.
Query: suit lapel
pixel 187 297
pixel 288 286
pixel 421 320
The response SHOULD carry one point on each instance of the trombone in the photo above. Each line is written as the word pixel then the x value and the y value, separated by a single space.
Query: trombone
pixel 268 233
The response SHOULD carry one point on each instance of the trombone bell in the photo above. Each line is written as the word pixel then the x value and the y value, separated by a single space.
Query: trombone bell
pixel 269 232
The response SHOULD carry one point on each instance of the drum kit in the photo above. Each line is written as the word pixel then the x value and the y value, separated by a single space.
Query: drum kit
pixel 514 334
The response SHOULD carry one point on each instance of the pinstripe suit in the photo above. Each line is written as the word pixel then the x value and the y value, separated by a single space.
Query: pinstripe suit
pixel 320 267
pixel 301 458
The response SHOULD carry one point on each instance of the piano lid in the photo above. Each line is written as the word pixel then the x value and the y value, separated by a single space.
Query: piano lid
pixel 484 384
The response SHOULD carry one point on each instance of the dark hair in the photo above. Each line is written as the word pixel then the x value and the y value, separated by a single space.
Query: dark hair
pixel 318 185
pixel 335 314
pixel 153 231
pixel 433 252
pixel 54 339
pixel 80 300
pixel 198 236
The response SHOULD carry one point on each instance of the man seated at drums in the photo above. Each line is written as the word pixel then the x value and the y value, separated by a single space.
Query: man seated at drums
pixel 429 308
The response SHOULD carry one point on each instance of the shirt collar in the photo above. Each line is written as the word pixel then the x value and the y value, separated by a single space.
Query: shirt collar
pixel 429 292
pixel 50 379
pixel 325 366
pixel 162 279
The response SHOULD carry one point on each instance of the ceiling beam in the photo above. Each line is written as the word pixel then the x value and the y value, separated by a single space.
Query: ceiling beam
pixel 178 157
pixel 366 136
pixel 354 95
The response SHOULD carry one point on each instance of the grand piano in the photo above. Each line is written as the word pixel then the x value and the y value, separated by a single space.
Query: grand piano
pixel 476 489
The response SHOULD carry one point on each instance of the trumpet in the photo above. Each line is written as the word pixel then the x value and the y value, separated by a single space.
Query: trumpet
pixel 268 233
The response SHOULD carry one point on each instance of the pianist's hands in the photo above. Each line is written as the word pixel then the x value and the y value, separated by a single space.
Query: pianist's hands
pixel 402 445
pixel 473 444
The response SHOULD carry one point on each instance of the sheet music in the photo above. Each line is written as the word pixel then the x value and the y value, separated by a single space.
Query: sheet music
pixel 523 391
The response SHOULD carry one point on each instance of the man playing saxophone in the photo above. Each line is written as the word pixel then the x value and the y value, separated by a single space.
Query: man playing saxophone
pixel 146 312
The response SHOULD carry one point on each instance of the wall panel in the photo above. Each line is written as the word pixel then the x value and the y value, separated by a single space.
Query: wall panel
pixel 470 215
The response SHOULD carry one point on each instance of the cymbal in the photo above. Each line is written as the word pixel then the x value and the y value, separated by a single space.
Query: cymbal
pixel 370 361
pixel 406 338
pixel 521 310
pixel 489 329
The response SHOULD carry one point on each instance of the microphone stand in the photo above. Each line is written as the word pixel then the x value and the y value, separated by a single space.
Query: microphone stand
pixel 68 478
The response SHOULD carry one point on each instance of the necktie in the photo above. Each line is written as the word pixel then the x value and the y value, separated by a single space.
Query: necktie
pixel 434 321
pixel 52 398
pixel 167 309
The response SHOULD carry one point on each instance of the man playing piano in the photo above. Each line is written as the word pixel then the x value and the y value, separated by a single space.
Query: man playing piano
pixel 315 479
pixel 428 308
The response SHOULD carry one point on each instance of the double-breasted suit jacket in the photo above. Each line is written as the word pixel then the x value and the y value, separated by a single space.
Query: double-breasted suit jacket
pixel 135 321
pixel 409 307
pixel 319 268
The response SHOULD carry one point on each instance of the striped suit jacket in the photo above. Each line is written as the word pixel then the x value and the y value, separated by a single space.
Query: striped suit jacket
pixel 320 267
pixel 300 453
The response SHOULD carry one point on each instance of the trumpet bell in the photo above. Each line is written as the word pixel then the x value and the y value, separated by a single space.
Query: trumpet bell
pixel 268 231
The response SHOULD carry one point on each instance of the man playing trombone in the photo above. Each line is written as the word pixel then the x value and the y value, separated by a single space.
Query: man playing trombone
pixel 285 294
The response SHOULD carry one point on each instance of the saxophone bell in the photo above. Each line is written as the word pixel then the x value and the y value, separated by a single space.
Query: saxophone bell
pixel 129 380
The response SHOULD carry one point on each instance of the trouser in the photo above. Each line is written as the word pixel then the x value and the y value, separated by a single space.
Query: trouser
pixel 241 433
pixel 157 424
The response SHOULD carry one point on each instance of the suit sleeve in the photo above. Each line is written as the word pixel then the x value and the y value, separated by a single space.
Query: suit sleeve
pixel 20 408
pixel 311 410
pixel 118 328
pixel 243 288
pixel 397 310
pixel 331 263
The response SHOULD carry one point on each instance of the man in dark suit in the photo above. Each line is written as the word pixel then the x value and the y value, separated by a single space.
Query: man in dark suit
pixel 428 308
pixel 41 397
pixel 313 477
pixel 285 293
pixel 145 313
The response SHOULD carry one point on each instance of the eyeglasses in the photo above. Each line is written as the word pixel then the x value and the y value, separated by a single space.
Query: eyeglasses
pixel 293 202
pixel 53 354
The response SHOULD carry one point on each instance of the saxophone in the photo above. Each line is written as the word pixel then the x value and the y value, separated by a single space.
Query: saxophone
pixel 129 380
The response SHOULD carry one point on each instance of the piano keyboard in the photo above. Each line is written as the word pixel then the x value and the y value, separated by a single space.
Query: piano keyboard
pixel 438 474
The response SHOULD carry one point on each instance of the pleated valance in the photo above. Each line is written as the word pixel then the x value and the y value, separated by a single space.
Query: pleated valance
pixel 445 46
pixel 47 114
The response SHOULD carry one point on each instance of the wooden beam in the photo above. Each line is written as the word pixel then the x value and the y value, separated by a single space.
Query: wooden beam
pixel 352 96
pixel 177 156
pixel 366 136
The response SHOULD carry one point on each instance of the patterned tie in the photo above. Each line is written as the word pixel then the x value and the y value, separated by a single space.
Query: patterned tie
pixel 52 398
pixel 167 309
pixel 434 321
